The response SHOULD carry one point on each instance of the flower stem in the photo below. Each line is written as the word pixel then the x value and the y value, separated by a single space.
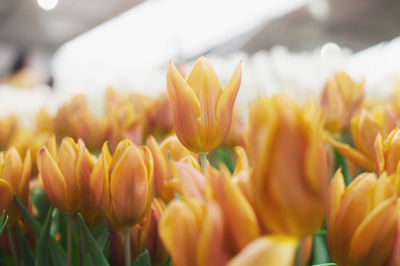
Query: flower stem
pixel 69 239
pixel 12 245
pixel 127 237
pixel 203 162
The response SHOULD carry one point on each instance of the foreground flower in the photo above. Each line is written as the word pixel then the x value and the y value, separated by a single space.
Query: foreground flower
pixel 387 152
pixel 341 99
pixel 65 174
pixel 128 177
pixel 14 178
pixel 289 176
pixel 268 250
pixel 201 109
pixel 362 220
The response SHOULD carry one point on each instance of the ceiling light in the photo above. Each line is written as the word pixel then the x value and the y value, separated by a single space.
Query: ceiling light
pixel 47 4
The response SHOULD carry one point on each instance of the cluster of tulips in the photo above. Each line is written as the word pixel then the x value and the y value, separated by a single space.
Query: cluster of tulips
pixel 184 180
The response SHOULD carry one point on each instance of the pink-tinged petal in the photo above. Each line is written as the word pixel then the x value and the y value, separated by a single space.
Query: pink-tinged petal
pixel 211 247
pixel 12 169
pixel 129 188
pixel 52 179
pixel 394 255
pixel 267 250
pixel 187 181
pixel 185 108
pixel 372 240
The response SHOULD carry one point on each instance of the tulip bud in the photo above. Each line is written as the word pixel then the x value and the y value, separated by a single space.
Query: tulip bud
pixel 289 176
pixel 127 183
pixel 387 152
pixel 362 219
pixel 193 233
pixel 201 109
pixel 341 98
pixel 268 250
pixel 14 178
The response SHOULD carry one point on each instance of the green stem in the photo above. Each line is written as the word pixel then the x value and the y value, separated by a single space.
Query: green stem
pixel 12 245
pixel 127 237
pixel 69 239
pixel 203 162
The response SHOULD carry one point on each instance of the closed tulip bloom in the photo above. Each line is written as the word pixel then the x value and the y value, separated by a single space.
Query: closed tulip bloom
pixel 14 178
pixel 387 152
pixel 127 183
pixel 162 164
pixel 193 233
pixel 268 250
pixel 362 220
pixel 289 169
pixel 201 109
pixel 341 99
pixel 65 174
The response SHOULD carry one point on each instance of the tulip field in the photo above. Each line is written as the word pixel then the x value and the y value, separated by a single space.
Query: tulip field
pixel 187 179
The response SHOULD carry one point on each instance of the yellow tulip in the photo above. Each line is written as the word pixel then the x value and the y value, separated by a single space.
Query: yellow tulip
pixel 14 178
pixel 289 169
pixel 193 233
pixel 9 125
pixel 128 178
pixel 162 168
pixel 387 152
pixel 65 175
pixel 268 250
pixel 201 109
pixel 341 99
pixel 362 220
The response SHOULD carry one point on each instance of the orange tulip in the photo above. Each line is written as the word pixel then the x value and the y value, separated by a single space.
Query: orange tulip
pixel 14 178
pixel 201 109
pixel 289 176
pixel 341 99
pixel 66 175
pixel 162 168
pixel 268 250
pixel 127 183
pixel 9 125
pixel 387 152
pixel 362 219
pixel 193 233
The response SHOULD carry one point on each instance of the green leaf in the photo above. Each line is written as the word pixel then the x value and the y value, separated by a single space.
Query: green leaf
pixel 26 251
pixel 36 226
pixel 167 262
pixel 100 233
pixel 95 252
pixel 143 259
pixel 42 257
pixel 3 221
pixel 340 161
pixel 42 204
pixel 325 264
pixel 320 253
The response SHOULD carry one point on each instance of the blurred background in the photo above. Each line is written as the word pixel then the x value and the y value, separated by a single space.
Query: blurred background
pixel 53 49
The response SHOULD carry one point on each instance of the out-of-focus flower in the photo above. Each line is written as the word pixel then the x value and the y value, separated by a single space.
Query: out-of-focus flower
pixel 159 116
pixel 127 183
pixel 193 233
pixel 240 220
pixel 201 109
pixel 364 128
pixel 14 178
pixel 387 152
pixel 236 135
pixel 44 121
pixel 143 236
pixel 8 125
pixel 66 175
pixel 341 99
pixel 162 164
pixel 289 169
pixel 268 250
pixel 362 219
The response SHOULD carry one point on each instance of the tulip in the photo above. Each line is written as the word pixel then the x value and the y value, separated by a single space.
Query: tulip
pixel 268 250
pixel 341 99
pixel 201 109
pixel 9 125
pixel 162 168
pixel 365 126
pixel 387 152
pixel 14 178
pixel 240 220
pixel 289 176
pixel 193 233
pixel 128 178
pixel 362 219
pixel 159 116
pixel 65 175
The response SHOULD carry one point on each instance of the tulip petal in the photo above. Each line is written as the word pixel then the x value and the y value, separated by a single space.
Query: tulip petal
pixel 12 169
pixel 267 250
pixel 6 195
pixel 336 190
pixel 23 191
pixel 187 181
pixel 52 179
pixel 185 108
pixel 242 163
pixel 129 188
pixel 372 240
